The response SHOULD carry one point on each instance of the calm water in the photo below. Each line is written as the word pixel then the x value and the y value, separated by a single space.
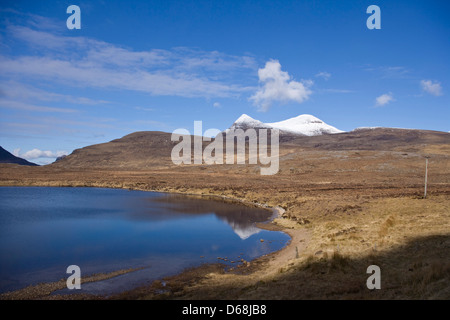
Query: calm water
pixel 44 230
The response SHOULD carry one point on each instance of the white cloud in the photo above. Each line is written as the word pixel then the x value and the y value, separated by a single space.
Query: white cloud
pixel 11 104
pixel 36 153
pixel 20 91
pixel 431 87
pixel 44 162
pixel 85 62
pixel 278 87
pixel 323 75
pixel 384 99
pixel 389 72
pixel 216 105
pixel 144 109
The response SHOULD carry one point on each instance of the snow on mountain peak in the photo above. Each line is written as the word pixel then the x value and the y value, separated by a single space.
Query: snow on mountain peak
pixel 244 118
pixel 307 118
pixel 304 124
pixel 246 122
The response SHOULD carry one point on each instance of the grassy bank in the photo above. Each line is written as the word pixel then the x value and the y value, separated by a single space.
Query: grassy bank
pixel 340 223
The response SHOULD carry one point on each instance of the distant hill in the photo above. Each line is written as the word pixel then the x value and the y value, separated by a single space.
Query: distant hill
pixel 147 150
pixel 8 157
pixel 139 150
pixel 60 157
pixel 375 139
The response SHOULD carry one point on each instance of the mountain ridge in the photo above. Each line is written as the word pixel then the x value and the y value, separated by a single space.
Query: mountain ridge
pixel 304 124
pixel 8 157
pixel 146 150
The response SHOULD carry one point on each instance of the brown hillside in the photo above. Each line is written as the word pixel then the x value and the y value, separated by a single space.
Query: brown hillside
pixel 152 149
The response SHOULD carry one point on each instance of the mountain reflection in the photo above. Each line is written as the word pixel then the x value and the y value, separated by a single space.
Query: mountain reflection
pixel 241 218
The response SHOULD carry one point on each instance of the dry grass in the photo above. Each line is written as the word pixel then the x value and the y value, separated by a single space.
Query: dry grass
pixel 349 204
pixel 337 269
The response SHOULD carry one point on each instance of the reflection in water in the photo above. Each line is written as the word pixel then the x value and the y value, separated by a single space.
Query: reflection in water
pixel 43 230
pixel 241 218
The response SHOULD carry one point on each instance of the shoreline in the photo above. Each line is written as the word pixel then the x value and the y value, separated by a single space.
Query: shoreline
pixel 337 229
pixel 41 290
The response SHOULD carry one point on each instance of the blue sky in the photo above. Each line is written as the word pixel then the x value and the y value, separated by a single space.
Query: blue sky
pixel 161 65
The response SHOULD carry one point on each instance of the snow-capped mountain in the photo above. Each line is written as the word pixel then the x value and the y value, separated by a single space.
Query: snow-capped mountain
pixel 246 122
pixel 304 124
